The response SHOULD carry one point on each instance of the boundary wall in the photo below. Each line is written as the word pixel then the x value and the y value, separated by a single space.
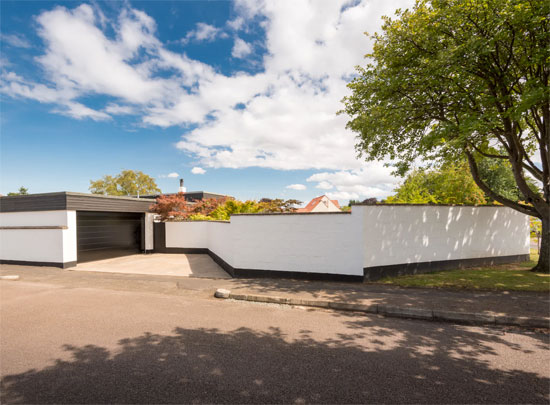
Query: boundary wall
pixel 371 242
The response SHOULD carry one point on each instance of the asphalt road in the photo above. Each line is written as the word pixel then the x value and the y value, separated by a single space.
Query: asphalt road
pixel 83 345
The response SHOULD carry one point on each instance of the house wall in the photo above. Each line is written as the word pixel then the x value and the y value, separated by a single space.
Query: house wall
pixel 372 240
pixel 43 237
pixel 396 234
pixel 325 205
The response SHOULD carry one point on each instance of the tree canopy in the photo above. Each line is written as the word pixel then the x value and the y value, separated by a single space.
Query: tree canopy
pixel 127 182
pixel 452 184
pixel 22 191
pixel 451 80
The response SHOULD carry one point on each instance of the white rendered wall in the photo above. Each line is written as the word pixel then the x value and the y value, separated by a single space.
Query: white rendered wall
pixel 323 243
pixel 370 236
pixel 149 231
pixel 38 245
pixel 411 234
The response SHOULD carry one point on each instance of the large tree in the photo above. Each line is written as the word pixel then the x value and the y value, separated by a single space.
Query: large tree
pixel 127 182
pixel 462 79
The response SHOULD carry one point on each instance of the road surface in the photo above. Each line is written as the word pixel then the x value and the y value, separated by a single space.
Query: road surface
pixel 65 344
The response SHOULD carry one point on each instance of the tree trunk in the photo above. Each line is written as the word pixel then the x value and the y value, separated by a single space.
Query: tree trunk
pixel 543 265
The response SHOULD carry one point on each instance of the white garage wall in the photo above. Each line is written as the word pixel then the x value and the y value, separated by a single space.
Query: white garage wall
pixel 38 245
pixel 413 234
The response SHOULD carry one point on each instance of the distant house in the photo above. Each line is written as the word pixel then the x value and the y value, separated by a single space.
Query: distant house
pixel 190 196
pixel 321 204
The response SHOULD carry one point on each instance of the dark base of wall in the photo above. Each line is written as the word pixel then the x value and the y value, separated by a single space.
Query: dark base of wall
pixel 377 272
pixel 199 251
pixel 253 273
pixel 42 264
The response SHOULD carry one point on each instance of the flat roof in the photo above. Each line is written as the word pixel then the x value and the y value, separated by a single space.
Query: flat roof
pixel 66 200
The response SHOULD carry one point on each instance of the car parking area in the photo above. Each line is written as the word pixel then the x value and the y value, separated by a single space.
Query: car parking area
pixel 159 264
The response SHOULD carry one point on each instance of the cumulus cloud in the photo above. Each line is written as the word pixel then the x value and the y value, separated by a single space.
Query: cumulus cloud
pixel 172 175
pixel 15 40
pixel 371 180
pixel 296 186
pixel 198 170
pixel 241 48
pixel 324 185
pixel 117 109
pixel 286 117
pixel 204 32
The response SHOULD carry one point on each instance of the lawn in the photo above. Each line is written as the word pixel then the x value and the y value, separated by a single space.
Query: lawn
pixel 503 277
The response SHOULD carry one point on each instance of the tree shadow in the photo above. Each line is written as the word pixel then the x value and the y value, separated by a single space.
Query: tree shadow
pixel 524 303
pixel 379 360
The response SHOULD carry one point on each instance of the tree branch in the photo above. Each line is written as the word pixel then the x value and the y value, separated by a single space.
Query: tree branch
pixel 525 209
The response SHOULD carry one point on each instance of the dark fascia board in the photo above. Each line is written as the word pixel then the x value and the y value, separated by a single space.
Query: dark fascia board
pixel 72 201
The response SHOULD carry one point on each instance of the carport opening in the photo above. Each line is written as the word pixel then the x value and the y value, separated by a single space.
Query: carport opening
pixel 105 235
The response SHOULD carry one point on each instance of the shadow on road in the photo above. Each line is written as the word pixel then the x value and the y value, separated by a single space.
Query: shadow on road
pixel 380 360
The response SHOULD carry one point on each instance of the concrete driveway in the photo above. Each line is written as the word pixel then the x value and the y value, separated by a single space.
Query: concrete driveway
pixel 159 264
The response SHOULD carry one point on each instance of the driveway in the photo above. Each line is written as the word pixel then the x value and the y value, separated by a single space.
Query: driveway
pixel 158 264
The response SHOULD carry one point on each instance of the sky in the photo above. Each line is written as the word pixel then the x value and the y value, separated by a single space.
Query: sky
pixel 238 98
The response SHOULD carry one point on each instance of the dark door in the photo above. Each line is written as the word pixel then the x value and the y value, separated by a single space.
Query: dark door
pixel 102 235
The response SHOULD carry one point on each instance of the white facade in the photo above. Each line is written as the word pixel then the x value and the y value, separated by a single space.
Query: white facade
pixel 54 242
pixel 47 236
pixel 325 205
pixel 345 244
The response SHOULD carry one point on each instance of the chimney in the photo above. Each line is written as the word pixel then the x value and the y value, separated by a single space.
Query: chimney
pixel 182 189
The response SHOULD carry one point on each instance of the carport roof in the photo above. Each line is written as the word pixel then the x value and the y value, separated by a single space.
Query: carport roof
pixel 65 200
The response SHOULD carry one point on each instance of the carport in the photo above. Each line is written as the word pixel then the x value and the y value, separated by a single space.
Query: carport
pixel 61 229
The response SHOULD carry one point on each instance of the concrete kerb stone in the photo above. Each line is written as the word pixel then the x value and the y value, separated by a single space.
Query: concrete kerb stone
pixel 222 293
pixel 394 311
pixel 406 312
pixel 466 317
pixel 9 278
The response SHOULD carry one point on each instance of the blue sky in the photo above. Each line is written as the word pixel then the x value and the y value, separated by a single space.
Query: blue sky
pixel 238 98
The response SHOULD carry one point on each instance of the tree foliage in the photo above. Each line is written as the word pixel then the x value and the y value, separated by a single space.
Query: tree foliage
pixel 22 191
pixel 176 208
pixel 127 182
pixel 452 184
pixel 451 80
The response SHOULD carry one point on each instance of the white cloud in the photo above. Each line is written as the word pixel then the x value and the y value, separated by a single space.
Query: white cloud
pixel 296 186
pixel 371 180
pixel 15 40
pixel 117 109
pixel 241 48
pixel 198 170
pixel 289 117
pixel 172 175
pixel 236 24
pixel 324 185
pixel 204 32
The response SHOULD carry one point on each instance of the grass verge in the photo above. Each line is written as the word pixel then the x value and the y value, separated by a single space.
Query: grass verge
pixel 511 277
